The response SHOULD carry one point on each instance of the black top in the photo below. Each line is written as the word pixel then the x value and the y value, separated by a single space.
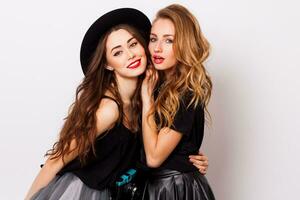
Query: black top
pixel 190 123
pixel 116 151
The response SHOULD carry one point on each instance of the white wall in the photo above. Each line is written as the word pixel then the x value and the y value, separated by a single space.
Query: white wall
pixel 255 104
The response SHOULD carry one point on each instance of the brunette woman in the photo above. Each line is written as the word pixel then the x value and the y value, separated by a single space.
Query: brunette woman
pixel 98 141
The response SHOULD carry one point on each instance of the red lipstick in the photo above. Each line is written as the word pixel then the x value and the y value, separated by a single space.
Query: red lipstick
pixel 134 64
pixel 157 59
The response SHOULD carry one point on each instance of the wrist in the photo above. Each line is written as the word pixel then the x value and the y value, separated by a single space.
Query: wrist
pixel 147 103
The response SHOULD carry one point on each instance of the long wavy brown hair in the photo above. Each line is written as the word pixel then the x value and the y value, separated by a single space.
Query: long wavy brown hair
pixel 80 124
pixel 190 77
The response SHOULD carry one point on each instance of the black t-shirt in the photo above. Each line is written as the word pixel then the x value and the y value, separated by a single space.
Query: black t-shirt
pixel 188 121
pixel 116 152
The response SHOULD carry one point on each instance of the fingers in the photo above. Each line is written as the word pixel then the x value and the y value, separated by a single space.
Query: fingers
pixel 164 130
pixel 203 171
pixel 156 75
pixel 201 168
pixel 150 80
pixel 203 163
pixel 152 76
pixel 148 73
pixel 148 76
pixel 199 157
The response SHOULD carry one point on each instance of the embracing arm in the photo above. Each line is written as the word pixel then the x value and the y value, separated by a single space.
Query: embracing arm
pixel 107 114
pixel 158 145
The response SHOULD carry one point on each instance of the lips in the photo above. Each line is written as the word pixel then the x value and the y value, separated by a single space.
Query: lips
pixel 157 59
pixel 134 64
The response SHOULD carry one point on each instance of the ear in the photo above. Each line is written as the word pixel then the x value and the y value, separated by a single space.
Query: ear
pixel 109 68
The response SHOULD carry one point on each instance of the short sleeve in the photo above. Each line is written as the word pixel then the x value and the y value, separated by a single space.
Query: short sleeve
pixel 184 118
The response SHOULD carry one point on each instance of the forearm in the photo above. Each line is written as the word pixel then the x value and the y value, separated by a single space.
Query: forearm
pixel 45 175
pixel 158 145
pixel 50 169
pixel 150 134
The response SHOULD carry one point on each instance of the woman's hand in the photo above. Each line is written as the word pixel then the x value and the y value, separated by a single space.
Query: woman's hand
pixel 149 84
pixel 200 161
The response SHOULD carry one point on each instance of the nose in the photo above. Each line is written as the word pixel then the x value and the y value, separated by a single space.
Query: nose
pixel 130 54
pixel 158 47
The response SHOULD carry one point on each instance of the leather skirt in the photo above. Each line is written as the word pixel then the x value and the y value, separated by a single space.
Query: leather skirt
pixel 173 185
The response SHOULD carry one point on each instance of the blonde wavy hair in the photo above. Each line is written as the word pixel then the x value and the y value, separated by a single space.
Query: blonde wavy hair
pixel 190 77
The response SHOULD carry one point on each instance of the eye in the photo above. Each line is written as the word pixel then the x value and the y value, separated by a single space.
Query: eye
pixel 117 53
pixel 169 41
pixel 133 44
pixel 153 39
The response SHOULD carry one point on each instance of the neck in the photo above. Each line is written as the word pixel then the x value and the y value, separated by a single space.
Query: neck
pixel 169 72
pixel 126 87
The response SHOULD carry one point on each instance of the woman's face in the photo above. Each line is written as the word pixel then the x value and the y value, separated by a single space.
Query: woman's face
pixel 125 55
pixel 161 44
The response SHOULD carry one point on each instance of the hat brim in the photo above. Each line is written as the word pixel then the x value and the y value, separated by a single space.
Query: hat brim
pixel 104 23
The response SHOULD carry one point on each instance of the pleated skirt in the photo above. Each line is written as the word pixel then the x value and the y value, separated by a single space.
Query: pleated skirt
pixel 174 185
pixel 70 187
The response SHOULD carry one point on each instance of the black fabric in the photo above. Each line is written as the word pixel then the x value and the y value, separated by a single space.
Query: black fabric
pixel 188 121
pixel 116 151
pixel 184 118
pixel 174 185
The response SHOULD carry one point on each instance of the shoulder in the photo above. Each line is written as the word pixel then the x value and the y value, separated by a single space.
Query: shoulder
pixel 188 101
pixel 108 110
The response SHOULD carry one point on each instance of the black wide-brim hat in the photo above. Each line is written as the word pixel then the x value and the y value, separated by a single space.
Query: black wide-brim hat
pixel 129 16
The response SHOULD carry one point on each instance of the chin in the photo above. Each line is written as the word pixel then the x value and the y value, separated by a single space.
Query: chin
pixel 138 71
pixel 164 66
pixel 159 67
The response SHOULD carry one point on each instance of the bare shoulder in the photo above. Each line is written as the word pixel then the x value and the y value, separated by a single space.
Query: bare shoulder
pixel 108 106
pixel 107 114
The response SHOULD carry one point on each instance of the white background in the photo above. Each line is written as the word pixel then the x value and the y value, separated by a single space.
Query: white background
pixel 252 142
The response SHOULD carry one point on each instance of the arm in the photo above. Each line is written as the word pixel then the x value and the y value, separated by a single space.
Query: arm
pixel 107 115
pixel 158 145
pixel 47 173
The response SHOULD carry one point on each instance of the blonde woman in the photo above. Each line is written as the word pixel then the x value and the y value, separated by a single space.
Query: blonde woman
pixel 175 99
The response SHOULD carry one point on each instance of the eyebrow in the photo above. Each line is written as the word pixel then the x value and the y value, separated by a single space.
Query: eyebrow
pixel 165 35
pixel 120 45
